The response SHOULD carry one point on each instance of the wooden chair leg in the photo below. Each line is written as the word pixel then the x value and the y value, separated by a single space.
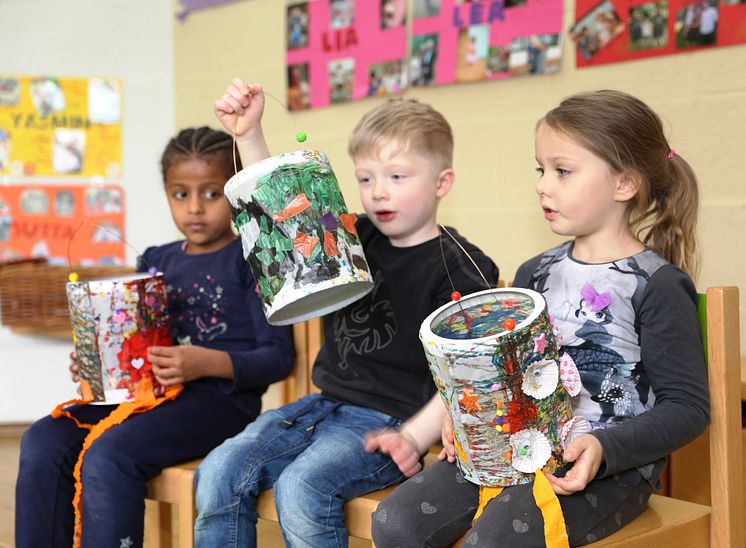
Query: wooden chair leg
pixel 157 524
pixel 187 513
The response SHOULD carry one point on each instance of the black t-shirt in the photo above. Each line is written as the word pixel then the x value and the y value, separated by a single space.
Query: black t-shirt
pixel 372 355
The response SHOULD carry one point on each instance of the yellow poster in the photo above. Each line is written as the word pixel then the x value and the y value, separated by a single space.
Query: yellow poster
pixel 60 126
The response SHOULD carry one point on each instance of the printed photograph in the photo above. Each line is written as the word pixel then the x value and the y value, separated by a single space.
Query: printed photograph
pixel 68 150
pixel 473 47
pixel 596 29
pixel 34 202
pixel 5 143
pixel 10 92
pixel 422 59
pixel 393 13
pixel 387 78
pixel 648 26
pixel 299 88
pixel 498 61
pixel 422 9
pixel 297 26
pixel 696 24
pixel 341 80
pixel 64 203
pixel 47 96
pixel 535 54
pixel 100 201
pixel 6 221
pixel 342 13
pixel 104 101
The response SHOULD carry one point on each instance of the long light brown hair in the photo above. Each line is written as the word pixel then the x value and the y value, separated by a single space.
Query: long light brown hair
pixel 626 133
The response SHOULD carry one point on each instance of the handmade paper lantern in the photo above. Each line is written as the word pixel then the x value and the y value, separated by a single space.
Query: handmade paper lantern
pixel 114 321
pixel 298 237
pixel 494 359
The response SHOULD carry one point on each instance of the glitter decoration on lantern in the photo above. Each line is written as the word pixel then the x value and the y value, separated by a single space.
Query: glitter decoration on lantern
pixel 298 237
pixel 114 321
pixel 494 358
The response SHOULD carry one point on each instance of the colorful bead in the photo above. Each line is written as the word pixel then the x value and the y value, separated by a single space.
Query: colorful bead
pixel 455 296
pixel 300 136
pixel 499 428
pixel 73 276
pixel 152 271
pixel 509 324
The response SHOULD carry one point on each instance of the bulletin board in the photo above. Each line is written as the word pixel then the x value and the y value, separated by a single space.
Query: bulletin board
pixel 611 31
pixel 45 220
pixel 60 127
pixel 344 50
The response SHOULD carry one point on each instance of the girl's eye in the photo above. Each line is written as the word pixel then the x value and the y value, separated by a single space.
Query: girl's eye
pixel 540 171
pixel 563 172
pixel 363 180
pixel 397 177
pixel 179 194
pixel 212 194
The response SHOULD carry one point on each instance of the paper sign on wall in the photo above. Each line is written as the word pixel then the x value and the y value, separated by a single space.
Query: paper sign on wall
pixel 342 50
pixel 38 220
pixel 610 31
pixel 60 126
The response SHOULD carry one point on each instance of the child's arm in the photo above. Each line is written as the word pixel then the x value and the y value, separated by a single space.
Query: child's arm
pixel 407 444
pixel 240 111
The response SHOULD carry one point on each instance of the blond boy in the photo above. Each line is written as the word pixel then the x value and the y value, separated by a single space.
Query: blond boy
pixel 374 417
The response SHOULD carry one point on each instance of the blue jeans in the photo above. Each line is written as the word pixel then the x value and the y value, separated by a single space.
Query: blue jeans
pixel 311 452
pixel 115 468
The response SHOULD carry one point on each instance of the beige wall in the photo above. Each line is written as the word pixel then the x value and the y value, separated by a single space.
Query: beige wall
pixel 701 97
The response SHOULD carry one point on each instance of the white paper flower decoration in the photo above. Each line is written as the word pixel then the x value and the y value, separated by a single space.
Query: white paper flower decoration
pixel 531 450
pixel 540 379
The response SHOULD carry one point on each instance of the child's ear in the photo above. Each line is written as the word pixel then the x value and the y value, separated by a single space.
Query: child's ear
pixel 445 182
pixel 628 184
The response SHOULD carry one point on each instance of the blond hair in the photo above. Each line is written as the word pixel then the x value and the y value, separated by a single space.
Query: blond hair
pixel 626 133
pixel 415 126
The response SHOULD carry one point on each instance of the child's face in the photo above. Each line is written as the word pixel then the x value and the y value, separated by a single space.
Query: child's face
pixel 194 189
pixel 578 191
pixel 400 191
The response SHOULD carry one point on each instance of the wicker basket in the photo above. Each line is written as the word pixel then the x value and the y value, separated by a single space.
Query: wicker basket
pixel 33 296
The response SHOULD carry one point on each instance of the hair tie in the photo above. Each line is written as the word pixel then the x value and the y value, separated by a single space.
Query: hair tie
pixel 671 153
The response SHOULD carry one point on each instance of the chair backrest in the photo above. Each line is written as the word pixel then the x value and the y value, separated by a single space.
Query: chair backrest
pixel 726 452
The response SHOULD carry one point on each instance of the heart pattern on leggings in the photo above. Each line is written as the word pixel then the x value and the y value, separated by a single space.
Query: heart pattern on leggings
pixel 428 508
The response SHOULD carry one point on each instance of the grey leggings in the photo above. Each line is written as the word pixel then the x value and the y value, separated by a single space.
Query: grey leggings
pixel 435 507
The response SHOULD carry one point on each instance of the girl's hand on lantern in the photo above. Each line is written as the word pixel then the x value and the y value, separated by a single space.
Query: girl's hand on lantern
pixel 179 364
pixel 446 437
pixel 588 455
pixel 74 368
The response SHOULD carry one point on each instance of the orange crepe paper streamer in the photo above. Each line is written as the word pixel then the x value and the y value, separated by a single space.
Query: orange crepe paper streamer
pixel 348 221
pixel 304 244
pixel 330 246
pixel 555 532
pixel 486 494
pixel 298 204
pixel 124 410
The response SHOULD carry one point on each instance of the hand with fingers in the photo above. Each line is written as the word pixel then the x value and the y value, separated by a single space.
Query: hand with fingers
pixel 588 455
pixel 240 110
pixel 179 364
pixel 397 444
pixel 446 437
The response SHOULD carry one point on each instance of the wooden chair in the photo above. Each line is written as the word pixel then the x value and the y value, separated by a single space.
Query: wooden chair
pixel 175 485
pixel 666 521
pixel 672 522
